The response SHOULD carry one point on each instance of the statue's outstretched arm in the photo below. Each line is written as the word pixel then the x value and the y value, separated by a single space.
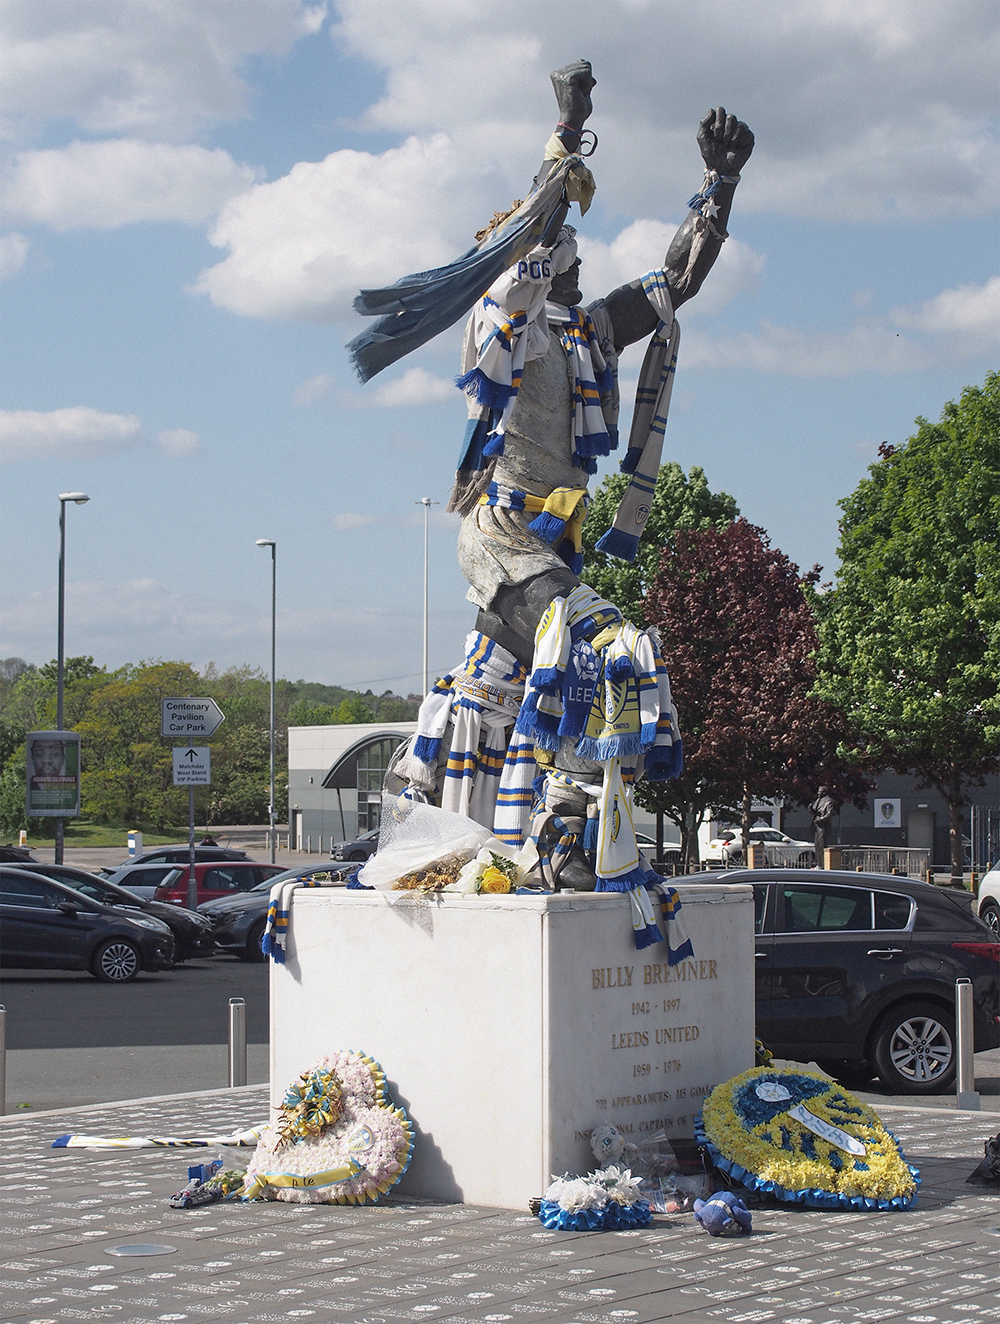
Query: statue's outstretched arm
pixel 726 144
pixel 572 85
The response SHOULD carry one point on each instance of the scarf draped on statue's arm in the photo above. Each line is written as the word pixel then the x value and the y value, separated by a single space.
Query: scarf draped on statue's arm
pixel 418 307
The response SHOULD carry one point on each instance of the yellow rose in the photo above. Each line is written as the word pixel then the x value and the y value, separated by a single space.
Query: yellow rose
pixel 494 880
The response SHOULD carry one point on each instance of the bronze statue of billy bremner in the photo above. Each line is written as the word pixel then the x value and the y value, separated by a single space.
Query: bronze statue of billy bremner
pixel 540 372
pixel 514 576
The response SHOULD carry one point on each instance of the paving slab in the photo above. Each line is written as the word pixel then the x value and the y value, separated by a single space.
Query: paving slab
pixel 67 1210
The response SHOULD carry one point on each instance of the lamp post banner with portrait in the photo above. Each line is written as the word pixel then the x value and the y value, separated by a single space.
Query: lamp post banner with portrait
pixel 52 776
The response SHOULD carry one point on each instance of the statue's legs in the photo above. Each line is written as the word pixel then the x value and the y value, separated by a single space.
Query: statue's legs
pixel 513 616
pixel 512 620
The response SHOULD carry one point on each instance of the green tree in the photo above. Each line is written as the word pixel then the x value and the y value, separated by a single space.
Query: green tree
pixel 911 633
pixel 679 503
pixel 127 776
pixel 12 812
pixel 739 637
pixel 241 746
pixel 356 708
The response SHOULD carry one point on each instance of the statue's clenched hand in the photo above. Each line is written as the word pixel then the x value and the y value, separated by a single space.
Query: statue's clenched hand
pixel 725 142
pixel 573 85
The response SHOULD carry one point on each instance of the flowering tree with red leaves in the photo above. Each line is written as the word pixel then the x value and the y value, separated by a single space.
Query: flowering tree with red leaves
pixel 739 638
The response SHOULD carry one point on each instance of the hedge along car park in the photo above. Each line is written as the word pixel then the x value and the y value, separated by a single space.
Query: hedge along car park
pixel 238 921
pixel 192 933
pixel 857 973
pixel 215 880
pixel 44 925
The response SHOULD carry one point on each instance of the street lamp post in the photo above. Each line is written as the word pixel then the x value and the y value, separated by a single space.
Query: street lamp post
pixel 426 502
pixel 79 498
pixel 269 542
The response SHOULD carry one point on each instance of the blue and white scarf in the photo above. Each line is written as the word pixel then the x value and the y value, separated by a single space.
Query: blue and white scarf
pixel 479 704
pixel 509 327
pixel 420 306
pixel 558 517
pixel 649 421
pixel 275 934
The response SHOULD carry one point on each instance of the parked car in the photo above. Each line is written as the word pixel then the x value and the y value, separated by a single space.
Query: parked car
pixel 361 848
pixel 45 925
pixel 857 972
pixel 178 854
pixel 988 898
pixel 192 932
pixel 238 921
pixel 15 854
pixel 216 879
pixel 142 880
pixel 727 848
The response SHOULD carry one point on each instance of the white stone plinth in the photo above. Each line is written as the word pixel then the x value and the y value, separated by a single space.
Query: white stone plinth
pixel 509 1027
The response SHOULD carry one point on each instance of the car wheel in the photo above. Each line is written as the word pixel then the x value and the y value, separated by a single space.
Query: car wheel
pixel 990 913
pixel 358 855
pixel 252 950
pixel 852 1074
pixel 914 1049
pixel 116 962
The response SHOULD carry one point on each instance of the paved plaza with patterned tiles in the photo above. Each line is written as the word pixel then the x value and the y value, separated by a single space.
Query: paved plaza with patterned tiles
pixel 68 1210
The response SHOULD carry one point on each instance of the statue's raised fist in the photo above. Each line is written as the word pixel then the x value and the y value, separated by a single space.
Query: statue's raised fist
pixel 725 142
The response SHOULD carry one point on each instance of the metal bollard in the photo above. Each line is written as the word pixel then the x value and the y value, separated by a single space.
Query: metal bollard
pixel 237 1042
pixel 3 1060
pixel 966 1095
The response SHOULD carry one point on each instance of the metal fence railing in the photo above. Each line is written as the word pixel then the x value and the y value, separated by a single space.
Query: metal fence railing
pixel 886 859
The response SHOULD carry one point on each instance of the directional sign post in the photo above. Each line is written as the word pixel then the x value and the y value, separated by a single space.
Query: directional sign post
pixel 193 766
pixel 187 718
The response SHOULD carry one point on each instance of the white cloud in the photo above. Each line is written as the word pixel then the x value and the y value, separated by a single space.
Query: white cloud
pixel 154 68
pixel 642 246
pixel 792 352
pixel 179 441
pixel 302 245
pixel 876 109
pixel 971 312
pixel 417 386
pixel 77 431
pixel 144 618
pixel 13 252
pixel 348 521
pixel 953 325
pixel 105 184
pixel 314 389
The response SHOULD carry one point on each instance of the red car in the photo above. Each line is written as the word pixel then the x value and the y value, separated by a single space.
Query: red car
pixel 216 878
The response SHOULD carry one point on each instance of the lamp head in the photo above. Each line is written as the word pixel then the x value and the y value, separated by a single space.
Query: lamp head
pixel 79 497
pixel 266 542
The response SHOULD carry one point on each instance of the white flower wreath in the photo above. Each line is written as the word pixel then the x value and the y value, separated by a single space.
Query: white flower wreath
pixel 305 1157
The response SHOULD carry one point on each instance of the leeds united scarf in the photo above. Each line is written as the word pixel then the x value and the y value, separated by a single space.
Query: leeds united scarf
pixel 649 420
pixel 419 307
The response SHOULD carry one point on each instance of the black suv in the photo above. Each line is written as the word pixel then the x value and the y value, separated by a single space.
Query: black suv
pixel 857 973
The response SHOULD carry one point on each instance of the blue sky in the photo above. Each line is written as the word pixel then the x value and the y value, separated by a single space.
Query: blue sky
pixel 193 191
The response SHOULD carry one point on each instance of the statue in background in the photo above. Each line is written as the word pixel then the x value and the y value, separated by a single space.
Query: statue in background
pixel 822 810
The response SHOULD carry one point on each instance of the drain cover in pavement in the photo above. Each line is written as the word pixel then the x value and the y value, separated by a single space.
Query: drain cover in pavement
pixel 140 1248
